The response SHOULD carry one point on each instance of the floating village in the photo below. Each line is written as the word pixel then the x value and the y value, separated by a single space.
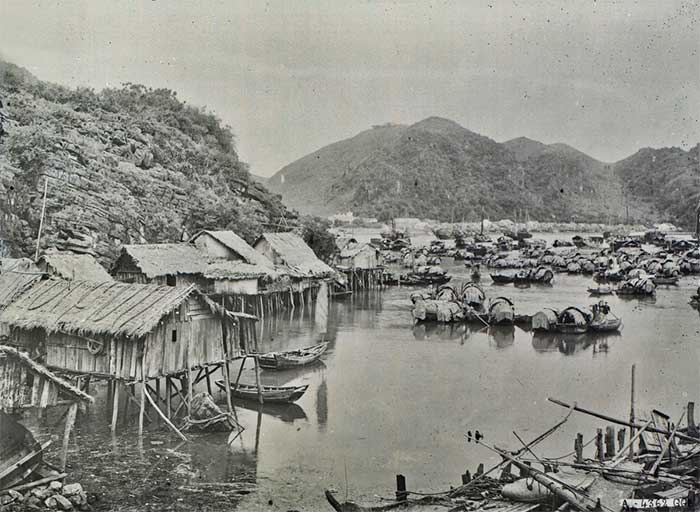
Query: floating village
pixel 162 337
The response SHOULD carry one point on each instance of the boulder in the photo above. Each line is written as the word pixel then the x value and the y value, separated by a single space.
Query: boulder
pixel 42 493
pixel 63 502
pixel 71 489
pixel 56 485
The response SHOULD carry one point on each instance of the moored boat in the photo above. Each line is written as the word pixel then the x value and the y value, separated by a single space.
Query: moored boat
pixel 606 325
pixel 573 320
pixel 601 290
pixel 665 280
pixel 276 394
pixel 501 311
pixel 292 358
pixel 502 278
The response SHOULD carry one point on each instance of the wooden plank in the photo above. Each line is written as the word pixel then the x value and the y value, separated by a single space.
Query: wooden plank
pixel 70 421
pixel 8 470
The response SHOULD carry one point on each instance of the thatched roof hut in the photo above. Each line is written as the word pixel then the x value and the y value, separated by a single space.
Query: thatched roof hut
pixel 227 245
pixel 290 251
pixel 358 255
pixel 160 263
pixel 117 329
pixel 72 266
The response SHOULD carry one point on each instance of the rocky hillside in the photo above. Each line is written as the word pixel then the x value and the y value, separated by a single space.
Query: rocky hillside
pixel 668 179
pixel 124 165
pixel 438 169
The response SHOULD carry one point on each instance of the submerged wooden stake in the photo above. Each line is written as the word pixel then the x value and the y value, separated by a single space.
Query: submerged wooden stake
pixel 401 494
pixel 257 380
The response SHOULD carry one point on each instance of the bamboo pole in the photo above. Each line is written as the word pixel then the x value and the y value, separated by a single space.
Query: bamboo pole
pixel 546 481
pixel 168 395
pixel 41 220
pixel 160 413
pixel 240 371
pixel 622 422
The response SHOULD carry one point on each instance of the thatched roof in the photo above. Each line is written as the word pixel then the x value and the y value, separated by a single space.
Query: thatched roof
pixel 234 269
pixel 13 283
pixel 352 249
pixel 82 307
pixel 64 386
pixel 237 245
pixel 296 255
pixel 17 264
pixel 69 265
pixel 157 260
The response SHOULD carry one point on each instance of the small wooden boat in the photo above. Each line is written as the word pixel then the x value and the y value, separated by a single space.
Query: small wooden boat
pixel 274 394
pixel 601 290
pixel 20 453
pixel 665 280
pixel 606 325
pixel 292 358
pixel 501 311
pixel 502 278
pixel 573 320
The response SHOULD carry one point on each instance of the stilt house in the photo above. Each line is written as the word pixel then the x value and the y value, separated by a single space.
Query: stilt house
pixel 361 264
pixel 290 252
pixel 122 331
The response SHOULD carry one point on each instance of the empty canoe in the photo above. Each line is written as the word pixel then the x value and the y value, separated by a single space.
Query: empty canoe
pixel 292 358
pixel 278 394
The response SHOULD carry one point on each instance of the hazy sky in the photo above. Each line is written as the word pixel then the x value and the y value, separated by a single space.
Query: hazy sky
pixel 291 76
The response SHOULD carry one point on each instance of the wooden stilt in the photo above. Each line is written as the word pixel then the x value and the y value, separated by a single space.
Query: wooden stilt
pixel 609 442
pixel 257 380
pixel 115 406
pixel 189 391
pixel 600 451
pixel 70 421
pixel 227 384
pixel 578 448
pixel 206 370
pixel 240 371
pixel 142 404
pixel 692 427
pixel 168 396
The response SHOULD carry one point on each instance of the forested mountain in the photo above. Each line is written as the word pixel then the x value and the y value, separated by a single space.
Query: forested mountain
pixel 438 169
pixel 125 165
pixel 667 178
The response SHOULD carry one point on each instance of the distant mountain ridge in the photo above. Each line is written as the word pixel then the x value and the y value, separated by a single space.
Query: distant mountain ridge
pixel 438 169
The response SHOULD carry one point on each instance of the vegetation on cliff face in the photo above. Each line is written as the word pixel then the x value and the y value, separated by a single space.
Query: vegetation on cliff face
pixel 667 178
pixel 125 165
pixel 438 169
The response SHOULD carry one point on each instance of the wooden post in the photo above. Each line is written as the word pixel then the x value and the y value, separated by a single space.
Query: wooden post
pixel 41 219
pixel 609 442
pixel 240 370
pixel 257 379
pixel 600 452
pixel 227 385
pixel 505 472
pixel 621 435
pixel 168 395
pixel 578 448
pixel 632 412
pixel 70 420
pixel 479 470
pixel 401 494
pixel 142 405
pixel 189 390
pixel 466 477
pixel 692 428
pixel 115 406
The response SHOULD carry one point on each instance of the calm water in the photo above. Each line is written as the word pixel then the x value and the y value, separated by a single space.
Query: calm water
pixel 391 397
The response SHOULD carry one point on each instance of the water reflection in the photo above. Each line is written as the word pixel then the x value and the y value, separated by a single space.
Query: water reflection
pixel 570 344
pixel 288 413
pixel 322 405
pixel 502 336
